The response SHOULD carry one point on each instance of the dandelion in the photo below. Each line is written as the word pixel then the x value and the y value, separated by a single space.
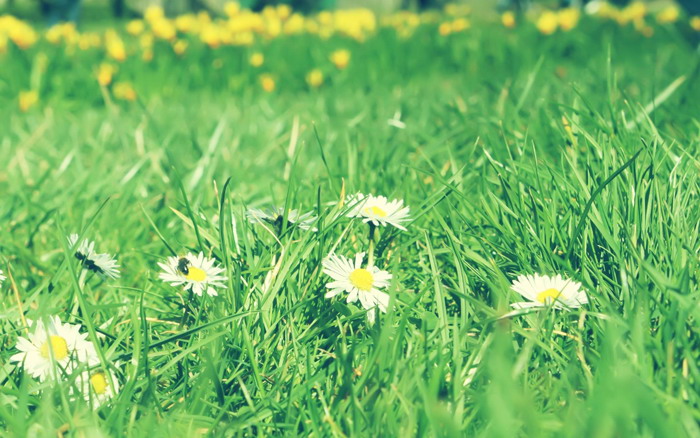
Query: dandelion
pixel 360 283
pixel 340 58
pixel 105 74
pixel 27 99
pixel 569 18
pixel 548 22
pixel 101 264
pixel 257 59
pixel 543 290
pixel 669 14
pixel 508 19
pixel 314 78
pixel 267 82
pixel 54 344
pixel 124 91
pixel 695 23
pixel 276 215
pixel 378 210
pixel 97 386
pixel 195 273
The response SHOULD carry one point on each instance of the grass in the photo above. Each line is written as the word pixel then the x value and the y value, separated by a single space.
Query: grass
pixel 520 153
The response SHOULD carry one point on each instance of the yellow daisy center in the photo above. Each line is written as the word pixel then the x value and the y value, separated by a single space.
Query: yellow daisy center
pixel 98 381
pixel 362 279
pixel 58 346
pixel 376 211
pixel 548 295
pixel 196 274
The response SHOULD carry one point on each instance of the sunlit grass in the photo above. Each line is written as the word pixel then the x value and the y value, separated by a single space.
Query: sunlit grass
pixel 518 153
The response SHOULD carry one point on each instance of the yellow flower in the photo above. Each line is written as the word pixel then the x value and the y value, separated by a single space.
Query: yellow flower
pixel 548 22
pixel 115 46
pixel 124 91
pixel 445 28
pixel 669 14
pixel 164 29
pixel 460 24
pixel 105 74
pixel 231 9
pixel 340 58
pixel 568 18
pixel 314 78
pixel 257 59
pixel 508 19
pixel 27 99
pixel 135 27
pixel 153 13
pixel 267 82
pixel 695 23
pixel 179 47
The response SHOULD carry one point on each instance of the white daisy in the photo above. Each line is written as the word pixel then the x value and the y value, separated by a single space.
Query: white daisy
pixel 2 277
pixel 197 273
pixel 378 210
pixel 543 290
pixel 102 264
pixel 54 344
pixel 360 283
pixel 95 386
pixel 275 216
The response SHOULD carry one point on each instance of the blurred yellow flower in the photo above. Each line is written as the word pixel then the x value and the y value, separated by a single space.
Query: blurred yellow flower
pixel 669 14
pixel 105 73
pixel 179 47
pixel 695 23
pixel 314 78
pixel 460 24
pixel 27 99
pixel 164 29
pixel 135 27
pixel 568 18
pixel 257 59
pixel 548 22
pixel 124 91
pixel 508 19
pixel 267 82
pixel 340 58
pixel 114 46
pixel 231 9
pixel 153 13
pixel 445 28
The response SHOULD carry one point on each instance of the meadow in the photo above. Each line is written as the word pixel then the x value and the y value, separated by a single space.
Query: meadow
pixel 553 144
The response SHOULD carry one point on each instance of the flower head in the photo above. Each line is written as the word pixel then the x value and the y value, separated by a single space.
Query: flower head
pixel 2 277
pixel 340 58
pixel 195 273
pixel 361 283
pixel 543 290
pixel 378 210
pixel 54 344
pixel 101 264
pixel 97 386
pixel 276 215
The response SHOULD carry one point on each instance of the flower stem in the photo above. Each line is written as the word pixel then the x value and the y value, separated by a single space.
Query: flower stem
pixel 372 235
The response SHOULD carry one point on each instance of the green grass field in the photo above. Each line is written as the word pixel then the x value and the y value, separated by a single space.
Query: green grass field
pixel 517 153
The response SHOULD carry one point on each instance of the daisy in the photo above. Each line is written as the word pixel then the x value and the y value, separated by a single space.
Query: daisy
pixel 97 386
pixel 275 215
pixel 2 277
pixel 197 273
pixel 542 291
pixel 101 264
pixel 378 210
pixel 54 344
pixel 360 283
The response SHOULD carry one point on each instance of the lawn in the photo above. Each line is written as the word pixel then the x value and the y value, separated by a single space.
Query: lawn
pixel 519 151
